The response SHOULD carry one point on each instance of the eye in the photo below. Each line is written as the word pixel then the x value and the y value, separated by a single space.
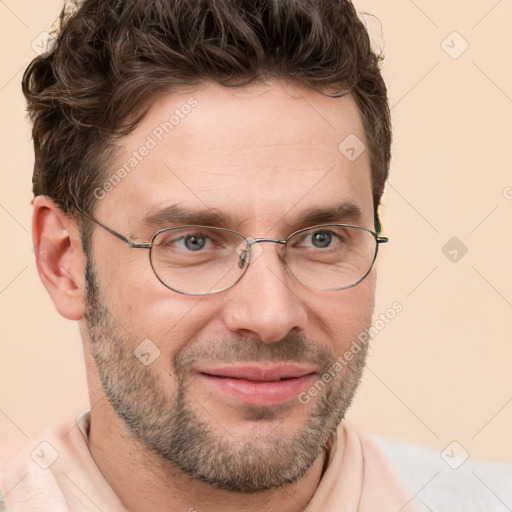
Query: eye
pixel 320 239
pixel 194 242
pixel 186 241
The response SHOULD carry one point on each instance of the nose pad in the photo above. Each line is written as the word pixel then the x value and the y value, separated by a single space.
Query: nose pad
pixel 248 252
pixel 244 258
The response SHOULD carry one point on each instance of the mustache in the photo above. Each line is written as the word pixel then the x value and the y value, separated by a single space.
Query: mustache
pixel 293 348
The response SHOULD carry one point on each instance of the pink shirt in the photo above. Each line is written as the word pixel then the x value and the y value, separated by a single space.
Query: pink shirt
pixel 56 471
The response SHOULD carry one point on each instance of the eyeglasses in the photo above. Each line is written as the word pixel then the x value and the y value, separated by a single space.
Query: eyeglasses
pixel 201 260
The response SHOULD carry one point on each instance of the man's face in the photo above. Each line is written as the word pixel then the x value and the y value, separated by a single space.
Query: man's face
pixel 220 400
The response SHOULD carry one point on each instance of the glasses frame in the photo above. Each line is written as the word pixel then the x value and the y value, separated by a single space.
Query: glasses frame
pixel 243 259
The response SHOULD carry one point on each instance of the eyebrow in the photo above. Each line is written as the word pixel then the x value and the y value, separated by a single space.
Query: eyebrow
pixel 179 215
pixel 341 213
pixel 175 215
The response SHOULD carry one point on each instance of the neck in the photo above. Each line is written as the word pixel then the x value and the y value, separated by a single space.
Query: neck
pixel 144 481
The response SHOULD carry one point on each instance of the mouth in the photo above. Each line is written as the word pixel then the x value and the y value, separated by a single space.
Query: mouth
pixel 258 384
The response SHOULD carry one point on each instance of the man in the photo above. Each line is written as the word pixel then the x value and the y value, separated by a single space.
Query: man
pixel 207 181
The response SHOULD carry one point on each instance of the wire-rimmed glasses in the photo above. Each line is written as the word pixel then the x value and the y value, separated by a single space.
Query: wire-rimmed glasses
pixel 201 260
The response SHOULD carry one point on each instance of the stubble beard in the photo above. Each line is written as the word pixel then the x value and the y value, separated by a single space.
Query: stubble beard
pixel 181 429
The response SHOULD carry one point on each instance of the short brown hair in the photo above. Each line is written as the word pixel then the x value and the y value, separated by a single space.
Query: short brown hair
pixel 112 57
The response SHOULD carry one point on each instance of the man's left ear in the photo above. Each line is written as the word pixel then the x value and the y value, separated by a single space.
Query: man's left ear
pixel 59 257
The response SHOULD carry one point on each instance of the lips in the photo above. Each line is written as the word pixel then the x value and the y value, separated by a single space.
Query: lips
pixel 258 385
pixel 260 373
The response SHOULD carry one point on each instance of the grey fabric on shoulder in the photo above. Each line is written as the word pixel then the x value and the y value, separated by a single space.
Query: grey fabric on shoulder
pixel 2 497
pixel 449 482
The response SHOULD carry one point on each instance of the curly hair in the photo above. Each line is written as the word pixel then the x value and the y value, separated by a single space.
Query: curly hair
pixel 112 58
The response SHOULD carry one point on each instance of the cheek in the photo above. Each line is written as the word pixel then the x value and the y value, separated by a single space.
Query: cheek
pixel 140 303
pixel 345 314
pixel 170 320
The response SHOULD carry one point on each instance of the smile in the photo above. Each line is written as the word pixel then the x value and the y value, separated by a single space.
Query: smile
pixel 259 385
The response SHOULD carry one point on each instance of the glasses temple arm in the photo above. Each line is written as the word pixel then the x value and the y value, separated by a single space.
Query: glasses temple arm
pixel 121 237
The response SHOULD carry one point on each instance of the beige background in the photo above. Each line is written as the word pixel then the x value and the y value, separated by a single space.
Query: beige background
pixel 441 370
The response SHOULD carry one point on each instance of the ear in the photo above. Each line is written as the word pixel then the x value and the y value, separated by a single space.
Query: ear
pixel 59 257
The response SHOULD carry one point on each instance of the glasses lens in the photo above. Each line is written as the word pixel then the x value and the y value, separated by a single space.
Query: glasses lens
pixel 198 260
pixel 331 257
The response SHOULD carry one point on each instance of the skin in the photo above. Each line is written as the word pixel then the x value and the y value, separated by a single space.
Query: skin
pixel 262 154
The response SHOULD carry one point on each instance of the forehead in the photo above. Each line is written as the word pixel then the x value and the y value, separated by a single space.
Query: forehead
pixel 262 152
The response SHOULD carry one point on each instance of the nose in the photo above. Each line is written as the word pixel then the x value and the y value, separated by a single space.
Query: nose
pixel 266 303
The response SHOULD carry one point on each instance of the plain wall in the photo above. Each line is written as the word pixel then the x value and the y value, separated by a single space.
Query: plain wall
pixel 440 371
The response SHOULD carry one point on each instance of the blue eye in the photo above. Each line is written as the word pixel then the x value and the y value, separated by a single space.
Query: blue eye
pixel 194 242
pixel 187 241
pixel 321 239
